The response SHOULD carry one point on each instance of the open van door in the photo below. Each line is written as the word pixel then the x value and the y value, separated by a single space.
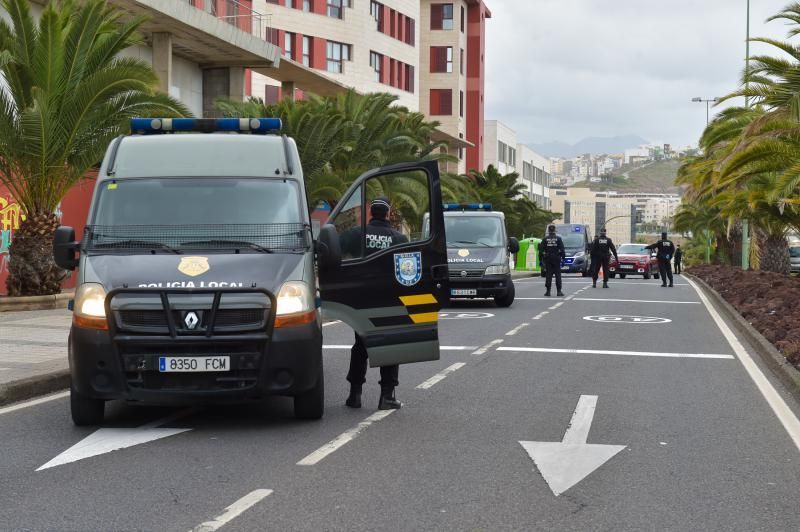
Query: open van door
pixel 390 295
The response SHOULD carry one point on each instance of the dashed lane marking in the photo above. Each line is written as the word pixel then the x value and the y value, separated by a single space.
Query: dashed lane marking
pixel 441 376
pixel 638 301
pixel 784 414
pixel 233 511
pixel 488 346
pixel 616 353
pixel 541 315
pixel 34 402
pixel 556 306
pixel 517 329
pixel 343 439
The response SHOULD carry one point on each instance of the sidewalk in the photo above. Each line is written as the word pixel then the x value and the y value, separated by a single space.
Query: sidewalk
pixel 33 353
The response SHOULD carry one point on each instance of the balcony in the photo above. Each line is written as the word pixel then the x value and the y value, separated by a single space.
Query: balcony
pixel 222 33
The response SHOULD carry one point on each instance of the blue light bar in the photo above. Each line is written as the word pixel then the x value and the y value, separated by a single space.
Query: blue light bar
pixel 205 125
pixel 467 206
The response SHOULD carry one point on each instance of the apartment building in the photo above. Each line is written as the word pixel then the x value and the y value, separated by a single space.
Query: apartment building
pixel 430 54
pixel 580 205
pixel 503 151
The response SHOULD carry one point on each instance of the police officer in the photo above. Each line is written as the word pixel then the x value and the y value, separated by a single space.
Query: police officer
pixel 678 257
pixel 665 249
pixel 551 255
pixel 601 250
pixel 379 235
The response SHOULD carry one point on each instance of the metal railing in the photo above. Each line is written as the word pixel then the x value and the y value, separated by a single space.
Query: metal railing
pixel 241 16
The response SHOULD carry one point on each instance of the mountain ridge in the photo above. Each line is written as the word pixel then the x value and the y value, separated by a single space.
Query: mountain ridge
pixel 593 145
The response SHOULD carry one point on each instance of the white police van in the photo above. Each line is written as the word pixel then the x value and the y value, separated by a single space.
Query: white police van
pixel 197 272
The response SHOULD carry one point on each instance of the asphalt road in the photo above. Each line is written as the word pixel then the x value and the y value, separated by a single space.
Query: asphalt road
pixel 699 446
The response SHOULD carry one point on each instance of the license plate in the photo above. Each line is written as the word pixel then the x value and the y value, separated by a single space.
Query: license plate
pixel 193 364
pixel 627 266
pixel 565 268
pixel 463 292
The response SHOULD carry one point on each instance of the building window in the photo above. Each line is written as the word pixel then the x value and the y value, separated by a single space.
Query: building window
pixel 409 79
pixel 512 156
pixel 461 149
pixel 441 16
pixel 337 53
pixel 410 31
pixel 376 10
pixel 289 4
pixel 307 5
pixel 442 59
pixel 376 62
pixel 335 8
pixel 461 104
pixel 463 19
pixel 461 62
pixel 306 51
pixel 288 45
pixel 441 102
pixel 502 152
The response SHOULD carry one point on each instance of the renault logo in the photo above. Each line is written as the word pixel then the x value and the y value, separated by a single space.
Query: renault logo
pixel 463 273
pixel 191 320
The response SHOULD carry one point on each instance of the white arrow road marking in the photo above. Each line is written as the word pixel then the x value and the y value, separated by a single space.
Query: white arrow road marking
pixel 233 511
pixel 563 464
pixel 105 441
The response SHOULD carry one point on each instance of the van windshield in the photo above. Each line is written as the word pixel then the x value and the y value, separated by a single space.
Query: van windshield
pixel 474 231
pixel 573 240
pixel 175 213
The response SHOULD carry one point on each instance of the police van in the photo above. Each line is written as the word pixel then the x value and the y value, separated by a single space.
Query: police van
pixel 197 271
pixel 478 253
pixel 576 238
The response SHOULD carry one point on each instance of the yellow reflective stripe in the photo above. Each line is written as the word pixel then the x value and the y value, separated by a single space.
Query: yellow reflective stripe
pixel 426 317
pixel 423 299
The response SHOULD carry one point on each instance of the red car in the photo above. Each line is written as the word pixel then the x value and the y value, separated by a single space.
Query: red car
pixel 634 259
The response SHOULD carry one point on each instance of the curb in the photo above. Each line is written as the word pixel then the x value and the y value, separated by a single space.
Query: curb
pixel 56 301
pixel 777 363
pixel 36 386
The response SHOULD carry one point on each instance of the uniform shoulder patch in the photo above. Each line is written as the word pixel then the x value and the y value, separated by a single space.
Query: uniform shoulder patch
pixel 408 268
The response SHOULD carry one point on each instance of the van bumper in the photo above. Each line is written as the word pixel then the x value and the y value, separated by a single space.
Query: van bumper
pixel 289 364
pixel 484 287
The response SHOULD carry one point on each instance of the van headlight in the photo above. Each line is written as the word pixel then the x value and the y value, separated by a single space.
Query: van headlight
pixel 497 269
pixel 90 307
pixel 296 305
pixel 580 255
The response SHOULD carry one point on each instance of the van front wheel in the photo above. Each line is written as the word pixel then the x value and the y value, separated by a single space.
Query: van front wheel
pixel 506 299
pixel 86 411
pixel 310 405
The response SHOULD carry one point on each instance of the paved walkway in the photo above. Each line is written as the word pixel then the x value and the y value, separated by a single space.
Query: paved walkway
pixel 33 343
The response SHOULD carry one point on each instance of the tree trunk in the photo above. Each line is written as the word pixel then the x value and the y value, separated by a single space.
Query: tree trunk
pixel 735 239
pixel 31 268
pixel 773 252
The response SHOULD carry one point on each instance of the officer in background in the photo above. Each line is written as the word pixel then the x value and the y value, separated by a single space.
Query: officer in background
pixel 379 235
pixel 551 255
pixel 600 251
pixel 665 249
pixel 678 257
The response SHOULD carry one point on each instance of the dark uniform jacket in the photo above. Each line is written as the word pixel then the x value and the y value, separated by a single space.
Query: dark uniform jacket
pixel 601 247
pixel 380 235
pixel 551 249
pixel 665 249
pixel 678 255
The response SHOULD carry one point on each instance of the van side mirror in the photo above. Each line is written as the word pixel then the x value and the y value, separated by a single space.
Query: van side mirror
pixel 513 245
pixel 65 248
pixel 328 247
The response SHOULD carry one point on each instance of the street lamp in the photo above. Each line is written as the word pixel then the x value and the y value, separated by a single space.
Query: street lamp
pixel 708 102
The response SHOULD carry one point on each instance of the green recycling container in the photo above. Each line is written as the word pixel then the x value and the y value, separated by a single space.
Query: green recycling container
pixel 528 256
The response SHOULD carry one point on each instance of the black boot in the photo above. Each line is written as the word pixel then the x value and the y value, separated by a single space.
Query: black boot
pixel 547 294
pixel 560 293
pixel 605 284
pixel 388 401
pixel 354 399
pixel 594 284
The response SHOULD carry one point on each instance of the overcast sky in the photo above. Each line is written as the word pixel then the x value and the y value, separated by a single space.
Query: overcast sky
pixel 568 69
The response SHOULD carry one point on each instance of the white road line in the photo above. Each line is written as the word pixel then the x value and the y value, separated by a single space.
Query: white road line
pixel 442 347
pixel 343 439
pixel 331 323
pixel 622 353
pixel 517 329
pixel 488 346
pixel 233 511
pixel 638 301
pixel 541 315
pixel 785 415
pixel 570 297
pixel 440 376
pixel 581 422
pixel 34 402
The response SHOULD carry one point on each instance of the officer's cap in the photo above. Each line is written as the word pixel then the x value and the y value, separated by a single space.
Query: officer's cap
pixel 380 206
pixel 664 236
pixel 603 231
pixel 551 228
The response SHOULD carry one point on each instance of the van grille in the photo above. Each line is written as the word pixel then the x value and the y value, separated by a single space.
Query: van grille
pixel 225 318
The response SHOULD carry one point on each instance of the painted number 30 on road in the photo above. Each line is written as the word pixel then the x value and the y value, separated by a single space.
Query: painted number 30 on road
pixel 626 319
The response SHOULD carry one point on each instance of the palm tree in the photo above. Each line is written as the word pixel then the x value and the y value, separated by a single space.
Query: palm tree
pixel 66 95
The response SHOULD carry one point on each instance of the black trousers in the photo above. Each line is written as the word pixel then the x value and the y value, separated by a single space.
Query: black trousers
pixel 358 368
pixel 677 266
pixel 665 269
pixel 597 262
pixel 552 267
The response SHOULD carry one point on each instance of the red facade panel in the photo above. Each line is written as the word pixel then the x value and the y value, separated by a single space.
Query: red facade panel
pixel 319 55
pixel 476 43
